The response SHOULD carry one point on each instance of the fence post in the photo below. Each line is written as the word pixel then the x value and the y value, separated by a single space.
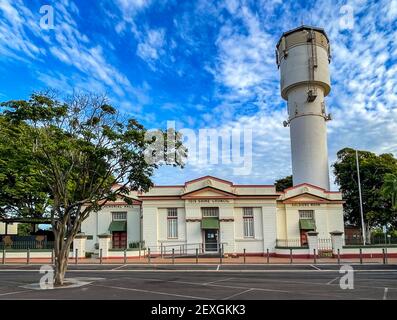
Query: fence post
pixel 338 256
pixel 125 256
pixel 100 256
pixel 161 250
pixel 244 256
pixel 384 256
pixel 268 257
pixel 148 255
pixel 361 256
pixel 180 250
pixel 220 256
pixel 28 256
pixel 173 256
pixel 52 256
pixel 290 256
pixel 4 256
pixel 139 249
pixel 197 255
pixel 314 256
pixel 76 256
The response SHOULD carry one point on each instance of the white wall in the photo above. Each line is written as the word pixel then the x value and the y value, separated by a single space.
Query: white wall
pixel 98 223
pixel 12 229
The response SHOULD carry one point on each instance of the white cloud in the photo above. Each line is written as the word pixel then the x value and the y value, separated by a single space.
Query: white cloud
pixel 363 99
pixel 150 47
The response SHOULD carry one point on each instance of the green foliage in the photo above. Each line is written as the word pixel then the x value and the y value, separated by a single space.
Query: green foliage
pixel 389 188
pixel 377 207
pixel 24 229
pixel 22 190
pixel 284 183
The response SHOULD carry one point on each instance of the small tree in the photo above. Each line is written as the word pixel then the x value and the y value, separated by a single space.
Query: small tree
pixel 81 149
pixel 284 183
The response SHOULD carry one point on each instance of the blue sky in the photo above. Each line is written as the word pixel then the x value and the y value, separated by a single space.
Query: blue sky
pixel 208 64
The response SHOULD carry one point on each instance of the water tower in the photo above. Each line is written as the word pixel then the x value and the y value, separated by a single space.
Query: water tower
pixel 303 57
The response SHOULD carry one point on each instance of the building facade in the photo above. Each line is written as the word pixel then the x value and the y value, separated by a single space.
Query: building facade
pixel 210 213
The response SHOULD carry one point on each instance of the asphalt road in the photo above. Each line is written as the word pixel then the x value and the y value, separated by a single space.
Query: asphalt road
pixel 205 282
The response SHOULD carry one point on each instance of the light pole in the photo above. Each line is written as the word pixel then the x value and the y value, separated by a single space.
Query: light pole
pixel 361 200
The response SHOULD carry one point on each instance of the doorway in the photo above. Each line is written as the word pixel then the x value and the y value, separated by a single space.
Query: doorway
pixel 119 240
pixel 211 240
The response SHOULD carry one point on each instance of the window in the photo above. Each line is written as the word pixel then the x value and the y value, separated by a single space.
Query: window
pixel 306 214
pixel 172 223
pixel 119 216
pixel 210 212
pixel 248 217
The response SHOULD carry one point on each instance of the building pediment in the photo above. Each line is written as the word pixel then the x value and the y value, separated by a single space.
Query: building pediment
pixel 308 198
pixel 208 182
pixel 208 193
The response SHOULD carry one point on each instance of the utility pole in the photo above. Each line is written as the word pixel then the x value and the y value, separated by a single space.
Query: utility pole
pixel 361 200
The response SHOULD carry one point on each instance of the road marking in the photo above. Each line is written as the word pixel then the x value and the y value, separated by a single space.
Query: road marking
pixel 12 282
pixel 208 270
pixel 317 268
pixel 154 292
pixel 207 283
pixel 330 282
pixel 9 293
pixel 119 267
pixel 385 294
pixel 238 294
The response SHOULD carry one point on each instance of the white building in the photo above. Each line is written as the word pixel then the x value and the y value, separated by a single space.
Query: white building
pixel 210 212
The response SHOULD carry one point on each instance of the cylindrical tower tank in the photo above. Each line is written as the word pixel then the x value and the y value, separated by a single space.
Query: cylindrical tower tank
pixel 303 56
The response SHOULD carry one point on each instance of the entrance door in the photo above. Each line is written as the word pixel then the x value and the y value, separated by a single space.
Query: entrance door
pixel 211 240
pixel 303 238
pixel 119 240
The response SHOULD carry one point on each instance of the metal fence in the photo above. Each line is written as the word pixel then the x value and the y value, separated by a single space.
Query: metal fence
pixel 24 245
pixel 189 249
pixel 374 239
pixel 288 243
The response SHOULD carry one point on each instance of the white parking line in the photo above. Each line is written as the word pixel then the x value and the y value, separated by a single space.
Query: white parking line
pixel 317 268
pixel 119 267
pixel 238 294
pixel 216 281
pixel 330 282
pixel 154 292
pixel 208 285
pixel 15 292
pixel 385 293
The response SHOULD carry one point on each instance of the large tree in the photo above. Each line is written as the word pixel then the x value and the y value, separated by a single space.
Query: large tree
pixel 373 168
pixel 389 188
pixel 22 191
pixel 81 148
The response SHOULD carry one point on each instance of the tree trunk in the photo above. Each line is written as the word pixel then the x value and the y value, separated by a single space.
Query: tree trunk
pixel 61 264
pixel 62 249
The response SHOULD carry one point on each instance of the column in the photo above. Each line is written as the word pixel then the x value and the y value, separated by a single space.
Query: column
pixel 79 243
pixel 104 244
pixel 337 241
pixel 312 239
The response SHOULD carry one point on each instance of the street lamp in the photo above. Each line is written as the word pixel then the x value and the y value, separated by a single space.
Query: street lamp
pixel 361 200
